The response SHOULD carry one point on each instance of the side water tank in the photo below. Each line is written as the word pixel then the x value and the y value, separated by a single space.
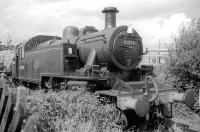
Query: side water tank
pixel 70 32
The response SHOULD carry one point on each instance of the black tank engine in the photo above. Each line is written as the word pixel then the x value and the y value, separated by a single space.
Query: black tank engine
pixel 104 61
pixel 115 49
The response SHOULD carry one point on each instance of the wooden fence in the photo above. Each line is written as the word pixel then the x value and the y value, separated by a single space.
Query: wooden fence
pixel 12 111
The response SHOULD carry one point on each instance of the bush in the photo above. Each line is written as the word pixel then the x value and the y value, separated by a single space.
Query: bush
pixel 70 111
pixel 182 69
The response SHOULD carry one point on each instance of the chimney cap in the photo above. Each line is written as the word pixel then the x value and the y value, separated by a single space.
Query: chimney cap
pixel 110 9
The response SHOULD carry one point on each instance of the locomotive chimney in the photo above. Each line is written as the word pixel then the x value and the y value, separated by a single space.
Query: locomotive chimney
pixel 110 17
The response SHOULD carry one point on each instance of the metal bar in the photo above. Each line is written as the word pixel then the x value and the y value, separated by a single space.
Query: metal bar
pixel 103 36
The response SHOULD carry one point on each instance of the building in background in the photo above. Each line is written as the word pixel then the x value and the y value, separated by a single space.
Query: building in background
pixel 6 47
pixel 154 56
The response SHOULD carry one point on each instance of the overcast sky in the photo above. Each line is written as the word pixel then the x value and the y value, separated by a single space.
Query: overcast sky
pixel 155 20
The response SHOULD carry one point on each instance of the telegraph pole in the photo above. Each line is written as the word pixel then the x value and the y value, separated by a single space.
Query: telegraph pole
pixel 159 51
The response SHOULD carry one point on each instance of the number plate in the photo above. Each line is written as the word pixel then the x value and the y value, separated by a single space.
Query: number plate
pixel 128 42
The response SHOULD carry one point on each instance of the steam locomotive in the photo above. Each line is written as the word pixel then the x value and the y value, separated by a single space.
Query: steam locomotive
pixel 105 62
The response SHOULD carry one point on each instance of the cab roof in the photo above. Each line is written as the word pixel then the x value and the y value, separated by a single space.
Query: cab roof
pixel 34 42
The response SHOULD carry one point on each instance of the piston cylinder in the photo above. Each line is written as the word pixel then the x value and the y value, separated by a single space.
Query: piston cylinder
pixel 140 105
pixel 188 98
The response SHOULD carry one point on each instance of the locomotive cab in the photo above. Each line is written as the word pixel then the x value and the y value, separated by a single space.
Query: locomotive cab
pixel 18 61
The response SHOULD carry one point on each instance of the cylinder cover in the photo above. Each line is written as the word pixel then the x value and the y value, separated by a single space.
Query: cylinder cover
pixel 142 106
pixel 189 98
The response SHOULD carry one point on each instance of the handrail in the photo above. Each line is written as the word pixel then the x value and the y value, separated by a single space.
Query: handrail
pixel 147 90
pixel 102 39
